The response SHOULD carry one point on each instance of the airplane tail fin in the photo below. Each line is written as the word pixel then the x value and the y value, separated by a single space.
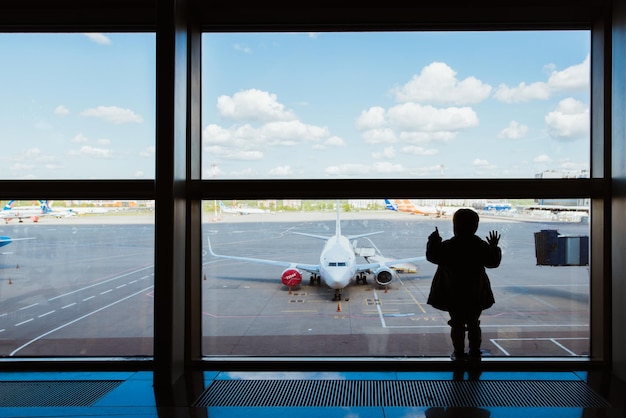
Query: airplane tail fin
pixel 45 206
pixel 9 205
pixel 389 205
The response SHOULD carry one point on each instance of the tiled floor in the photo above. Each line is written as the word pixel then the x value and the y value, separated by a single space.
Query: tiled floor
pixel 134 396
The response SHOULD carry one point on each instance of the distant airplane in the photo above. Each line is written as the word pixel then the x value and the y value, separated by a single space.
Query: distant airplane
pixel 10 212
pixel 337 267
pixel 239 210
pixel 405 205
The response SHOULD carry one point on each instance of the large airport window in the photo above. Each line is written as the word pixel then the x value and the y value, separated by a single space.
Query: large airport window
pixel 77 278
pixel 328 105
pixel 264 292
pixel 77 106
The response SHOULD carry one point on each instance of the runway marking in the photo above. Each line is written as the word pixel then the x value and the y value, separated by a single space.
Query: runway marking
pixel 67 306
pixel 120 286
pixel 415 300
pixel 46 314
pixel 106 291
pixel 553 340
pixel 103 282
pixel 380 312
pixel 89 298
pixel 45 334
pixel 24 322
pixel 29 306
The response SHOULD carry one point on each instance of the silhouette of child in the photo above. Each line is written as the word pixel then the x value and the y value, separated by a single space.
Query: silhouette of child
pixel 461 285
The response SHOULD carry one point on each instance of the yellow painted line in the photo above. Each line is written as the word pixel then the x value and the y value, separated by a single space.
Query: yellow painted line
pixel 416 302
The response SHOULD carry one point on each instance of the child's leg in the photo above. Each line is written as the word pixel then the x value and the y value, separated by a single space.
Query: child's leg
pixel 474 334
pixel 457 334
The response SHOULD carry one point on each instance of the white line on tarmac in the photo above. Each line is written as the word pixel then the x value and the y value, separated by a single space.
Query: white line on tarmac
pixel 76 320
pixel 103 282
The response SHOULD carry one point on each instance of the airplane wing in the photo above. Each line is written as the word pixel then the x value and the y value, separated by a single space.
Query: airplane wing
pixel 325 237
pixel 311 268
pixel 387 262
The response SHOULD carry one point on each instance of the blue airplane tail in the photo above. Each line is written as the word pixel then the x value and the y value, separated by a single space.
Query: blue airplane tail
pixel 390 205
pixel 9 205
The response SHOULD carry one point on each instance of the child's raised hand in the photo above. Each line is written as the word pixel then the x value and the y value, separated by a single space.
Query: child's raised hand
pixel 493 238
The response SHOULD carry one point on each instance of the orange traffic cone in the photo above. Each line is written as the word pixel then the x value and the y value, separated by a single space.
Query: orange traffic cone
pixel 204 276
pixel 10 281
pixel 339 307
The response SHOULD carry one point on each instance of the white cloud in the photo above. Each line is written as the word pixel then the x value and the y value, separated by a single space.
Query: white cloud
pixel 281 171
pixel 543 158
pixel 253 105
pixel 88 151
pixel 80 139
pixel 569 121
pixel 148 152
pixel 480 163
pixel 98 38
pixel 388 153
pixel 426 137
pixel 242 48
pixel 234 153
pixel 365 170
pixel 113 114
pixel 415 117
pixel 575 77
pixel 61 110
pixel 380 136
pixel 572 78
pixel 415 150
pixel 523 92
pixel 515 130
pixel 372 118
pixel 335 141
pixel 291 132
pixel 437 84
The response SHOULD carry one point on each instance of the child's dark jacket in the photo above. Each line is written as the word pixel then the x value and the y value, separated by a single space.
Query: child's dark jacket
pixel 461 282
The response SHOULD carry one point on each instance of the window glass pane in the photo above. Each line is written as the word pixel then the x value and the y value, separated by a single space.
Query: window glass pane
pixel 77 106
pixel 395 104
pixel 77 280
pixel 259 308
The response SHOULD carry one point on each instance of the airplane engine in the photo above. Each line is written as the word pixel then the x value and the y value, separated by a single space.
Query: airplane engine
pixel 291 278
pixel 34 218
pixel 383 276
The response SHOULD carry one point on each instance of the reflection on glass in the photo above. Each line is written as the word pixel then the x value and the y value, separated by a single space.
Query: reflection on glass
pixel 395 104
pixel 77 279
pixel 77 106
pixel 263 297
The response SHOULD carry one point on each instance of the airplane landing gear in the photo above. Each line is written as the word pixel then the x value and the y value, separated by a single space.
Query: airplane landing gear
pixel 337 295
pixel 361 278
pixel 315 280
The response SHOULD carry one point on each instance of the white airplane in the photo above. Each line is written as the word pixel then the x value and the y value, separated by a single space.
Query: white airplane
pixel 337 267
pixel 239 210
pixel 10 212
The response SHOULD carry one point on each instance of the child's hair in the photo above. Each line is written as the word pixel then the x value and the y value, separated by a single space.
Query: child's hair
pixel 465 222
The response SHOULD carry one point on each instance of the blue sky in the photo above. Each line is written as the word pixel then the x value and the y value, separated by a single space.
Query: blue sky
pixel 304 105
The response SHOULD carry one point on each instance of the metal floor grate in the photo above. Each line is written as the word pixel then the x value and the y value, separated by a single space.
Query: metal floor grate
pixel 407 393
pixel 54 393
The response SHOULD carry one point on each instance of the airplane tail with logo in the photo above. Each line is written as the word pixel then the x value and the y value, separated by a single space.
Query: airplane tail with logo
pixel 390 206
pixel 9 205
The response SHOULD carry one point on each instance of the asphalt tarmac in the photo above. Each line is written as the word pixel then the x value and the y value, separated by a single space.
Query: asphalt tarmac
pixel 539 310
pixel 84 287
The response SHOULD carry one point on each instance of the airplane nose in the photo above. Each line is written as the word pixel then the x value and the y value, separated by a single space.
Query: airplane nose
pixel 339 279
